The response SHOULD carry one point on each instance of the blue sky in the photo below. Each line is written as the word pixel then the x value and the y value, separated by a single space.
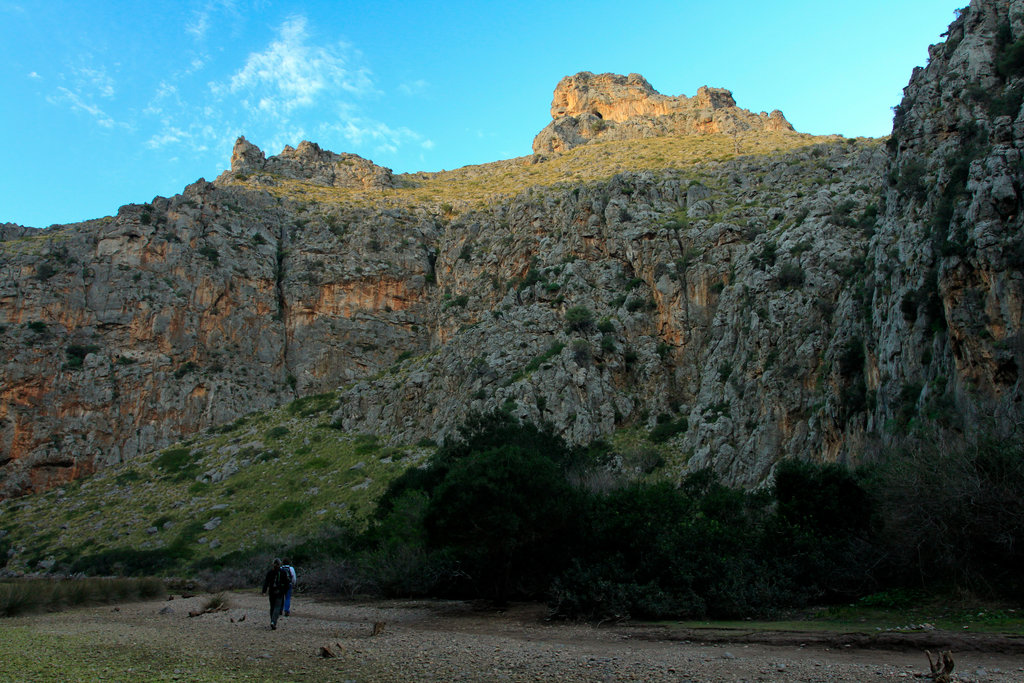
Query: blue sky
pixel 112 102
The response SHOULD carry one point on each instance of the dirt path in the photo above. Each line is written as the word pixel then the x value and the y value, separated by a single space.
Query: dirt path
pixel 453 641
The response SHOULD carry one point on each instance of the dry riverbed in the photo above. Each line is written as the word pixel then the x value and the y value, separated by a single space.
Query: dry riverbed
pixel 449 641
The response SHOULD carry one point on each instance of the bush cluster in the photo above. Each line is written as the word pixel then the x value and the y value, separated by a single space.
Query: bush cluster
pixel 502 514
pixel 507 511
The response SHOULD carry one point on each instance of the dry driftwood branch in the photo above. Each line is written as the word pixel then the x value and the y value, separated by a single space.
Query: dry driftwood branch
pixel 942 667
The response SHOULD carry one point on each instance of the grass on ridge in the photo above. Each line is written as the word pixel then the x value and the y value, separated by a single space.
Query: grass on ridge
pixel 474 186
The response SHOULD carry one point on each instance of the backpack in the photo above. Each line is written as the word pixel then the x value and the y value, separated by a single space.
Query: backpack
pixel 281 580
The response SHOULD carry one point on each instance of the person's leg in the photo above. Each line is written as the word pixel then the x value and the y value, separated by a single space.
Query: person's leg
pixel 276 604
pixel 288 601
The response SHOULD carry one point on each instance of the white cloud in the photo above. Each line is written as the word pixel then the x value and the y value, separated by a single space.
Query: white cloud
pixel 34 76
pixel 203 18
pixel 199 25
pixel 291 89
pixel 167 136
pixel 94 79
pixel 376 135
pixel 78 103
pixel 417 87
pixel 291 73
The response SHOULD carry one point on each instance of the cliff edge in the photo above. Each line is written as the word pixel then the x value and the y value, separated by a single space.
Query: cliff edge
pixel 609 106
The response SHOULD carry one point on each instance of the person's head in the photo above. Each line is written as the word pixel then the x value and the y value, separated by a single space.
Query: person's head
pixel 286 562
pixel 277 562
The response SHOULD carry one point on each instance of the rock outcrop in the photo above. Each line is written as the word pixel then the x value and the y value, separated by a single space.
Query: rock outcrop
pixel 10 231
pixel 589 107
pixel 309 163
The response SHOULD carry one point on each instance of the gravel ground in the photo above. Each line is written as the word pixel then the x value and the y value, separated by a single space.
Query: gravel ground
pixel 454 641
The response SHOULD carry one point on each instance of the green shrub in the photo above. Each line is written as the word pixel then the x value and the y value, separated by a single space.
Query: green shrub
pixel 1011 61
pixel 664 431
pixel 581 352
pixel 791 275
pixel 173 459
pixel 579 318
pixel 76 354
pixel 44 271
pixel 307 406
pixel 277 432
pixel 503 512
pixel 288 509
pixel 910 180
pixel 951 510
pixel 210 253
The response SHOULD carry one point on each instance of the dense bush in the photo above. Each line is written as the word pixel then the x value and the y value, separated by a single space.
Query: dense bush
pixel 953 515
pixel 495 515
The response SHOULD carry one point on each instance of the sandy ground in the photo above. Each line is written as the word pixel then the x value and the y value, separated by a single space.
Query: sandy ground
pixel 455 641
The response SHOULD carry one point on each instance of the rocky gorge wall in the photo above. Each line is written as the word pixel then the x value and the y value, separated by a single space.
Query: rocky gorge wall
pixel 124 334
pixel 948 258
pixel 796 304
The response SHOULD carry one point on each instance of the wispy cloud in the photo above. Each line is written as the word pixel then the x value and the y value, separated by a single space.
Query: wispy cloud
pixel 203 18
pixel 199 25
pixel 292 74
pixel 168 136
pixel 295 87
pixel 379 137
pixel 78 103
pixel 412 88
pixel 94 80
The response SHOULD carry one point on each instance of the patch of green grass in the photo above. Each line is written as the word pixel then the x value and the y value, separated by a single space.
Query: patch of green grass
pixel 36 655
pixel 913 608
pixel 288 509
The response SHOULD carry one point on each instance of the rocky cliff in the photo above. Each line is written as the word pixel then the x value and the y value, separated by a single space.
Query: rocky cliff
pixel 788 303
pixel 948 258
pixel 589 107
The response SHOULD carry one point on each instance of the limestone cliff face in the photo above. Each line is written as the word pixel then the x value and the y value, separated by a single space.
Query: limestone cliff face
pixel 948 278
pixel 795 304
pixel 124 334
pixel 717 297
pixel 612 107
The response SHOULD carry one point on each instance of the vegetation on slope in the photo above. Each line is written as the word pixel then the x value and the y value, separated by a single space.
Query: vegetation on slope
pixel 477 186
pixel 256 485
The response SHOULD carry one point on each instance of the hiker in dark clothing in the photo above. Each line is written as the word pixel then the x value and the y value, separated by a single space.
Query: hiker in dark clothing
pixel 277 583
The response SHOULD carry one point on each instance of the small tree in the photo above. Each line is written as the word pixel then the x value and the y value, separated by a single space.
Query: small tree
pixel 504 512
